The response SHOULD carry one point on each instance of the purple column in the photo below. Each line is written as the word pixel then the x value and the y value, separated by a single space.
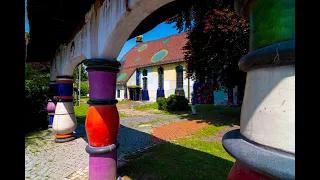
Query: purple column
pixel 51 106
pixel 102 122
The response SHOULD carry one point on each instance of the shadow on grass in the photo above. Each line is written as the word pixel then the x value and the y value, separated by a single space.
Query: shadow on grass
pixel 184 159
pixel 217 115
pixel 192 159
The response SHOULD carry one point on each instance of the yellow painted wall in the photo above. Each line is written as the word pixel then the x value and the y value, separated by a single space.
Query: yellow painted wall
pixel 169 70
pixel 169 78
pixel 132 80
pixel 155 71
pixel 152 93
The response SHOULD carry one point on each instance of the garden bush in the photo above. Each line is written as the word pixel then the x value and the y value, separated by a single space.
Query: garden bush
pixel 177 103
pixel 84 89
pixel 36 90
pixel 162 103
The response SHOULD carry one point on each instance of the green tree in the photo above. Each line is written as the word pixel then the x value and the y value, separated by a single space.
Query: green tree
pixel 84 74
pixel 36 94
pixel 217 39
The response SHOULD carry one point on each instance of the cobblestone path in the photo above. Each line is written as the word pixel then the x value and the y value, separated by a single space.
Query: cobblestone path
pixel 45 159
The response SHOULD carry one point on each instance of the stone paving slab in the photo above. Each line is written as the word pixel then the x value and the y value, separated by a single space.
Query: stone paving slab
pixel 45 159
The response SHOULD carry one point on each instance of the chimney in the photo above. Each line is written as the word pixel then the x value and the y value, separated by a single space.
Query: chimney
pixel 138 40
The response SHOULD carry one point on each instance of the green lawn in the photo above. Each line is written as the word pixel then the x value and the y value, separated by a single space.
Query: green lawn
pixel 81 112
pixel 145 107
pixel 201 108
pixel 187 158
pixel 125 102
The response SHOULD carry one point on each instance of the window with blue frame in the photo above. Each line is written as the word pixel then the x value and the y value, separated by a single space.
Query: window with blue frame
pixel 145 82
pixel 138 72
pixel 160 78
pixel 144 72
pixel 118 93
pixel 179 80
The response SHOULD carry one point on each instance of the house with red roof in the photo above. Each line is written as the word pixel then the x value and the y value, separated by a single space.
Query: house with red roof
pixel 155 69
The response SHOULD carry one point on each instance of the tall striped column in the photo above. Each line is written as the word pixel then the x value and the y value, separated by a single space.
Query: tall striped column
pixel 264 147
pixel 64 118
pixel 102 122
pixel 51 106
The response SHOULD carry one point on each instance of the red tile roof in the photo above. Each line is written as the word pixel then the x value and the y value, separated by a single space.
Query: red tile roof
pixel 161 51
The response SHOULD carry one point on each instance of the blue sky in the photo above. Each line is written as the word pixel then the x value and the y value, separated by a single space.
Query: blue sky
pixel 160 31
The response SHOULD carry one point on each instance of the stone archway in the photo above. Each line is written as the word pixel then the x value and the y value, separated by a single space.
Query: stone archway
pixel 267 118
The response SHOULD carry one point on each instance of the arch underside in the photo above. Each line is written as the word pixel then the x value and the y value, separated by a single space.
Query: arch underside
pixel 145 15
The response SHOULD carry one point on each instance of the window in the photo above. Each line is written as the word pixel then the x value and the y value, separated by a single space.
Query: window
pixel 144 72
pixel 145 83
pixel 138 72
pixel 160 77
pixel 179 70
pixel 118 93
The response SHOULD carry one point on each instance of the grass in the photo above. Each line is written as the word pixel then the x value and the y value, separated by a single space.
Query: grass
pixel 145 107
pixel 200 108
pixel 142 123
pixel 149 122
pixel 186 158
pixel 124 102
pixel 81 113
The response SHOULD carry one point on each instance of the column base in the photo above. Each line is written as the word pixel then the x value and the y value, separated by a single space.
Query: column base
pixel 64 138
pixel 241 172
pixel 103 162
pixel 264 161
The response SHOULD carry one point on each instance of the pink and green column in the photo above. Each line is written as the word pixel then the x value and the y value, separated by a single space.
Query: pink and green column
pixel 264 147
pixel 102 122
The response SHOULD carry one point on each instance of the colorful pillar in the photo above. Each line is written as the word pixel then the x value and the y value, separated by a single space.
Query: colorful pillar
pixel 102 122
pixel 264 147
pixel 51 106
pixel 64 118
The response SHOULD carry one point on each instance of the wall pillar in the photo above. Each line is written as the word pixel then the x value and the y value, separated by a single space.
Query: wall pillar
pixel 102 122
pixel 51 106
pixel 64 118
pixel 264 147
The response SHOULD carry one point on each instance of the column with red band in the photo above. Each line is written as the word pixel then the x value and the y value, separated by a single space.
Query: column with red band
pixel 64 119
pixel 102 122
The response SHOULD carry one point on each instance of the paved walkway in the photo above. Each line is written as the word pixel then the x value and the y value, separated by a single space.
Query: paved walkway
pixel 177 130
pixel 48 160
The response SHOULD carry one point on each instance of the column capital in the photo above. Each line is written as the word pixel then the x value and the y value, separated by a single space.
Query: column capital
pixel 99 64
pixel 64 77
pixel 279 54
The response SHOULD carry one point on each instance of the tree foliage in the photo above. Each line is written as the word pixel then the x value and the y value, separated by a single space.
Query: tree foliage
pixel 217 39
pixel 84 75
pixel 36 91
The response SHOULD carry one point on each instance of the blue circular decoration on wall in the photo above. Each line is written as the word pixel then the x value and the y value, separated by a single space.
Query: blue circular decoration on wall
pixel 138 59
pixel 159 55
pixel 143 47
pixel 165 41
pixel 122 76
